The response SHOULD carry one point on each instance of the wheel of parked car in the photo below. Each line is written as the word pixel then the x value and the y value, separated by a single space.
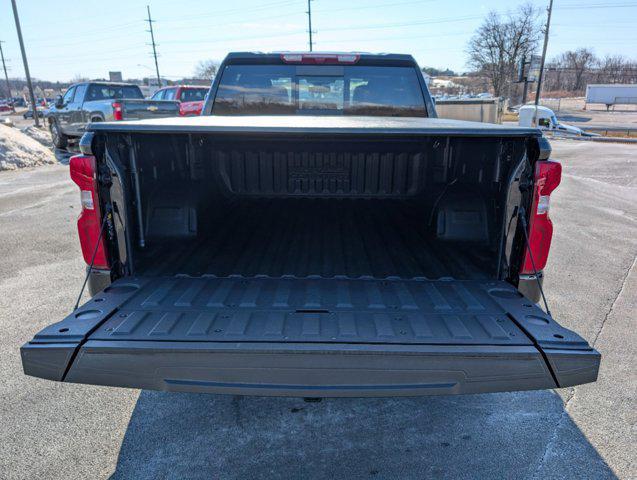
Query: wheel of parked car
pixel 59 139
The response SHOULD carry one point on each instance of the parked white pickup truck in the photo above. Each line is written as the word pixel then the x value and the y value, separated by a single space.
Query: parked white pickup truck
pixel 546 120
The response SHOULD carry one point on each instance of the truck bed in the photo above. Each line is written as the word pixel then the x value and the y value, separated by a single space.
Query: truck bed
pixel 321 237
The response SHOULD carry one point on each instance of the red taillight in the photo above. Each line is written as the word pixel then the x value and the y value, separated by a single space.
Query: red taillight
pixel 547 177
pixel 117 111
pixel 320 58
pixel 83 173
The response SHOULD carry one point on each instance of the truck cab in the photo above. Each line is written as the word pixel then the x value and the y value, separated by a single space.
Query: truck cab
pixel 546 120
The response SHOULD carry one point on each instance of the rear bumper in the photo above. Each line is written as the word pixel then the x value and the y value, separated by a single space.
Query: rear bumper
pixel 310 370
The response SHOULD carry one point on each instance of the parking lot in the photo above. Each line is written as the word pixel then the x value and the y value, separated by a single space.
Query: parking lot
pixel 53 430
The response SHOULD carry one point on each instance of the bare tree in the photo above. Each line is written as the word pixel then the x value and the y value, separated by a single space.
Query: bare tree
pixel 78 78
pixel 613 68
pixel 571 71
pixel 206 69
pixel 578 62
pixel 552 76
pixel 500 42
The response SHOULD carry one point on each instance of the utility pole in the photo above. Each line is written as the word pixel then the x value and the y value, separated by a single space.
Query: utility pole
pixel 6 77
pixel 541 75
pixel 309 20
pixel 152 38
pixel 26 64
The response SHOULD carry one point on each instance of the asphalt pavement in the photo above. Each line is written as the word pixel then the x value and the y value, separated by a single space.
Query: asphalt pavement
pixel 52 430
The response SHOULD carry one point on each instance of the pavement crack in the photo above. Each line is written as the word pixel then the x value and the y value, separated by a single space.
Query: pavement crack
pixel 612 306
pixel 549 444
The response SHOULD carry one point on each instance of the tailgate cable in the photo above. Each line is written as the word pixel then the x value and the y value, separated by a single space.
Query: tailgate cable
pixel 522 215
pixel 90 267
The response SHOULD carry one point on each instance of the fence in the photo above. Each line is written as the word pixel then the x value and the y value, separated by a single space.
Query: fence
pixel 552 103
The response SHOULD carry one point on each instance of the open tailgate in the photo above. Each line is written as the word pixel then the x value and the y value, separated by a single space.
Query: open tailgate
pixel 311 337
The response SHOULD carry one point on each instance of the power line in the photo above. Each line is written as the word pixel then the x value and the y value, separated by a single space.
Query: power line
pixel 350 28
pixel 405 24
pixel 88 35
pixel 275 6
pixel 367 7
pixel 234 11
pixel 230 39
pixel 92 55
pixel 361 27
pixel 404 37
pixel 186 26
pixel 624 70
pixel 152 38
pixel 596 5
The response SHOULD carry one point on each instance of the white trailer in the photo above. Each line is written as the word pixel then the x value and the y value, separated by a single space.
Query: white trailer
pixel 611 94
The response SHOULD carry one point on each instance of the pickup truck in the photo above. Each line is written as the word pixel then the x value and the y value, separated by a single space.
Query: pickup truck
pixel 91 102
pixel 544 117
pixel 190 97
pixel 316 232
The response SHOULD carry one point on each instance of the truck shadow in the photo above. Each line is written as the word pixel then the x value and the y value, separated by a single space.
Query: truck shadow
pixel 509 435
pixel 573 118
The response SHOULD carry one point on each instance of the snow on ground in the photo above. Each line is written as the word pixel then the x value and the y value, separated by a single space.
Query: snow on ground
pixel 41 135
pixel 18 150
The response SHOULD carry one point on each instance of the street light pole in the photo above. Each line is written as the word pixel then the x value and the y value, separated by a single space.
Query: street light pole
pixel 26 64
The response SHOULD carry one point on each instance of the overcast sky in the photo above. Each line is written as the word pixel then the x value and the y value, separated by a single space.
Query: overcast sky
pixel 66 38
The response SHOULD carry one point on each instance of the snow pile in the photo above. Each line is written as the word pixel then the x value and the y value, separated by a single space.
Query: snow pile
pixel 18 150
pixel 39 134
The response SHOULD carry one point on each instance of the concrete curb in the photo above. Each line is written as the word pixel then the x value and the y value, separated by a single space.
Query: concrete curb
pixel 598 139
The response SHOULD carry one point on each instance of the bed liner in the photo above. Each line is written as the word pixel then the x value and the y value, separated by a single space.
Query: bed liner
pixel 327 237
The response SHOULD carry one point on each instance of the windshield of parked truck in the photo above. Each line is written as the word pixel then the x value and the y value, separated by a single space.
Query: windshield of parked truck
pixel 319 89
pixel 110 92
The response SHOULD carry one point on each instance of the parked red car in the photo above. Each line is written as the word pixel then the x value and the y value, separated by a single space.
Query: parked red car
pixel 190 97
